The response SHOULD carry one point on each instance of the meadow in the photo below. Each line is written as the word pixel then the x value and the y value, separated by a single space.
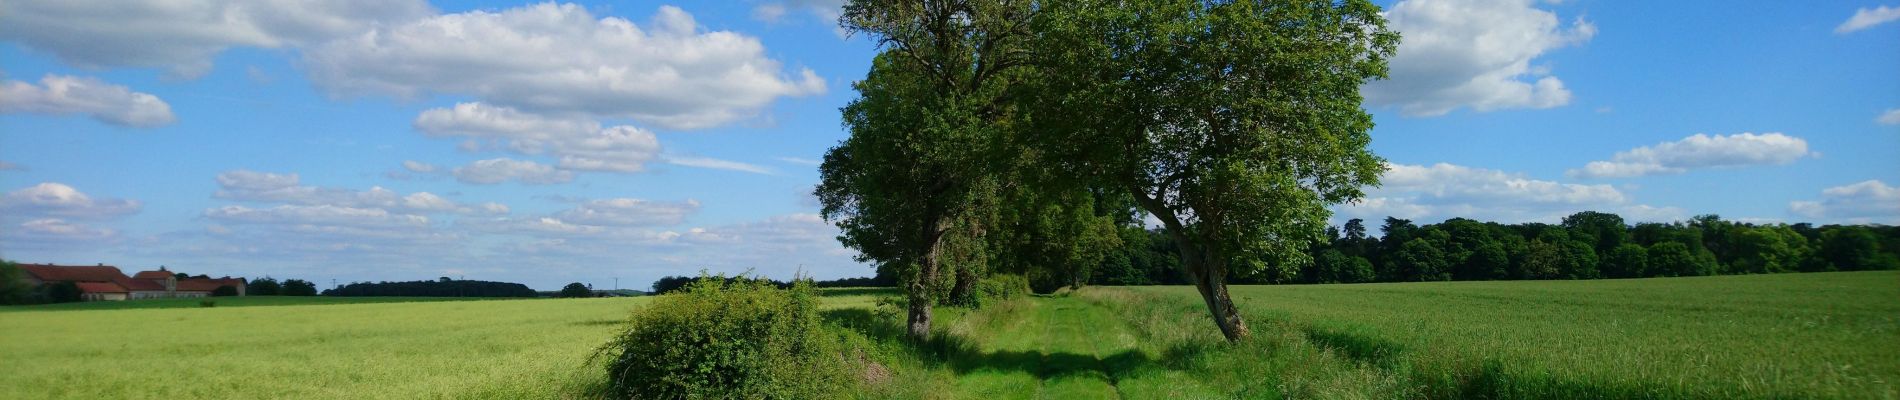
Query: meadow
pixel 247 301
pixel 1823 335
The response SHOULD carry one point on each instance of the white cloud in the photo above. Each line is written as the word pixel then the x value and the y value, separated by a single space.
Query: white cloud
pixel 243 185
pixel 1474 53
pixel 714 163
pixel 54 230
pixel 821 11
pixel 1697 152
pixel 1866 201
pixel 58 199
pixel 578 142
pixel 184 36
pixel 800 161
pixel 627 212
pixel 1442 191
pixel 558 59
pixel 1891 117
pixel 1867 18
pixel 109 103
pixel 418 167
pixel 498 170
pixel 317 215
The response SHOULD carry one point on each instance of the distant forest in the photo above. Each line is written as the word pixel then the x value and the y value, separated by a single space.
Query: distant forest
pixel 1585 245
pixel 443 287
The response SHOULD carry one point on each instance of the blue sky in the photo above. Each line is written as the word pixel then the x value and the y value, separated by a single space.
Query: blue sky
pixel 547 143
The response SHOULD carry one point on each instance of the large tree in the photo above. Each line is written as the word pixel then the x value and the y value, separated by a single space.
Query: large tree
pixel 1233 123
pixel 925 132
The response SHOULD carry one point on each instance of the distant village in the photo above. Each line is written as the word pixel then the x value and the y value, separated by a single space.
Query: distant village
pixel 107 283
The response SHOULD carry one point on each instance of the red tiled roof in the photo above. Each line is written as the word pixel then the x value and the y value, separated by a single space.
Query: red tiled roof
pixel 60 273
pixel 153 275
pixel 99 287
pixel 90 274
pixel 142 285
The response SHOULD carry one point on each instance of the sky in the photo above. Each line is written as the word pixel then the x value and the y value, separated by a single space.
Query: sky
pixel 614 143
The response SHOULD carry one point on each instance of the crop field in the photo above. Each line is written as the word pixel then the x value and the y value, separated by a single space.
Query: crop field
pixel 1827 335
pixel 247 301
pixel 457 349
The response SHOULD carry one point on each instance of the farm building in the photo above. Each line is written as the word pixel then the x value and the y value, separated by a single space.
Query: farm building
pixel 106 283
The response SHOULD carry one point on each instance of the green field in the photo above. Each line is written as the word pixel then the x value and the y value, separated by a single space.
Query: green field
pixel 246 301
pixel 1827 335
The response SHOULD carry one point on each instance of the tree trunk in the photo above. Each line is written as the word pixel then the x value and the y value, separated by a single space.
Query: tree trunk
pixel 920 288
pixel 1206 269
pixel 1210 279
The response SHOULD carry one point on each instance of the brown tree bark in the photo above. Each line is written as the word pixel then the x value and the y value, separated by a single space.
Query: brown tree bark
pixel 1207 268
pixel 918 319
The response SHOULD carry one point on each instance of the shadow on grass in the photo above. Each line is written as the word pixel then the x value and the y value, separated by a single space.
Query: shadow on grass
pixel 963 356
pixel 857 291
pixel 1357 347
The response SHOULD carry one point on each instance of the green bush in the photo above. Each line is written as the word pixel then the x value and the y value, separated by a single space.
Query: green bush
pixel 741 338
pixel 1001 287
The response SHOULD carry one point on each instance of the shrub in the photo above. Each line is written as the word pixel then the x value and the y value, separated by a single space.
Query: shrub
pixel 224 291
pixel 576 289
pixel 207 303
pixel 1001 287
pixel 721 338
pixel 299 287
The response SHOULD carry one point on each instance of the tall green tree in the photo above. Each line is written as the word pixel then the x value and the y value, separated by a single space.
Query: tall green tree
pixel 13 287
pixel 1234 123
pixel 924 130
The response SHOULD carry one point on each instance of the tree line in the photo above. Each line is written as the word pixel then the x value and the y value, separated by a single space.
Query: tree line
pixel 443 287
pixel 1585 245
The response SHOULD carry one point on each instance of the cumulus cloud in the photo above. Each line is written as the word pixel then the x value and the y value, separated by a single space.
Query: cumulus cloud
pixel 51 231
pixel 184 37
pixel 263 187
pixel 59 200
pixel 1476 54
pixel 559 58
pixel 1891 117
pixel 714 163
pixel 105 102
pixel 1867 18
pixel 626 212
pixel 1863 202
pixel 1699 151
pixel 578 142
pixel 498 170
pixel 1442 191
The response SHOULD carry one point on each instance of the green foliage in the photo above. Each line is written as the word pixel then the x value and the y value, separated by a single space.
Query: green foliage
pixel 576 289
pixel 207 303
pixel 1628 260
pixel 61 292
pixel 1420 260
pixel 13 287
pixel 299 287
pixel 224 291
pixel 728 339
pixel 266 286
pixel 1854 248
pixel 1001 287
